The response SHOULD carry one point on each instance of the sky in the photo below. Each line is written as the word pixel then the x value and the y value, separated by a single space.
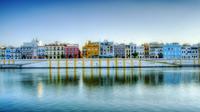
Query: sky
pixel 120 21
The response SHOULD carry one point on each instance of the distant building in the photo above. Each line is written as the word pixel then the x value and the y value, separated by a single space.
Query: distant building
pixel 41 52
pixel 90 50
pixel 119 50
pixel 12 53
pixel 156 50
pixel 72 51
pixel 130 49
pixel 106 49
pixel 140 51
pixel 172 51
pixel 146 50
pixel 198 45
pixel 29 49
pixel 2 52
pixel 189 52
pixel 55 50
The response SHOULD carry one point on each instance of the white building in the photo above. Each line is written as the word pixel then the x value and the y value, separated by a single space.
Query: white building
pixel 130 49
pixel 189 52
pixel 156 50
pixel 106 49
pixel 140 51
pixel 29 49
pixel 55 50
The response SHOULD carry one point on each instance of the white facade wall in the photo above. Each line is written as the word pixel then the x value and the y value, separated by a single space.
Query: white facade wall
pixel 140 51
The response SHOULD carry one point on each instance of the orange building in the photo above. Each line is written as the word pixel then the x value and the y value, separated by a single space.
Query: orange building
pixel 90 50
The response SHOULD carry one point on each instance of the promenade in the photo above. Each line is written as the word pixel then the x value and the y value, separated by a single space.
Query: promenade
pixel 97 63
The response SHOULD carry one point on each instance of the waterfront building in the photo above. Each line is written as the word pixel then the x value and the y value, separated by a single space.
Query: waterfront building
pixel 90 50
pixel 156 50
pixel 72 51
pixel 140 51
pixel 55 50
pixel 119 50
pixel 29 49
pixel 172 51
pixel 12 53
pixel 130 49
pixel 106 49
pixel 198 45
pixel 189 52
pixel 41 52
pixel 146 50
pixel 17 53
pixel 2 52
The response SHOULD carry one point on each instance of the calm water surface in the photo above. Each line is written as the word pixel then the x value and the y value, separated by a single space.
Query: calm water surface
pixel 139 90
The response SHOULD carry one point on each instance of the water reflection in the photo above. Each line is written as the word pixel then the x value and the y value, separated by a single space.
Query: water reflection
pixel 123 76
pixel 128 89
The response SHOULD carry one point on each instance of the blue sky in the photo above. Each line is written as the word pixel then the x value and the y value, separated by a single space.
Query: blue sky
pixel 76 21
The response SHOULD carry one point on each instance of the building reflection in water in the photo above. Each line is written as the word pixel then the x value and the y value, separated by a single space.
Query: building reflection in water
pixel 120 76
pixel 63 77
pixel 40 89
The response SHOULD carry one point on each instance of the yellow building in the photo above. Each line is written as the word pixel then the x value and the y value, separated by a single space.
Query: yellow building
pixel 90 50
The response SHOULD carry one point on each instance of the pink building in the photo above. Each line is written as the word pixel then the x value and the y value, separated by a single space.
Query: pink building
pixel 72 51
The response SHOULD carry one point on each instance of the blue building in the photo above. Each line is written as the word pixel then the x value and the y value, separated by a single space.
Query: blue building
pixel 172 51
pixel 12 53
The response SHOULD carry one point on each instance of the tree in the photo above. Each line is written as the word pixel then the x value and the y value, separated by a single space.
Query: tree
pixel 135 54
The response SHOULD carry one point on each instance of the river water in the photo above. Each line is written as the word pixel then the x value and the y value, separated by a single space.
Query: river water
pixel 97 90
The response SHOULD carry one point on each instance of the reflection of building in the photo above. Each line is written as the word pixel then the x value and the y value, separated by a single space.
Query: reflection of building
pixel 156 50
pixel 106 49
pixel 140 51
pixel 130 50
pixel 29 49
pixel 58 78
pixel 119 50
pixel 91 50
pixel 189 52
pixel 55 50
pixel 172 51
pixel 72 51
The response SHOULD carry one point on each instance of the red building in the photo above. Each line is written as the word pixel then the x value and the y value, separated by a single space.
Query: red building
pixel 72 51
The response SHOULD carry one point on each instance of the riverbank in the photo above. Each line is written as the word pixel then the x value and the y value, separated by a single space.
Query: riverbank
pixel 97 63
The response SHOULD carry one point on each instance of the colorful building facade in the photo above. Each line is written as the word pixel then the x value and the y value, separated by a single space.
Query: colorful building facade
pixel 172 51
pixel 146 50
pixel 12 53
pixel 90 50
pixel 72 51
